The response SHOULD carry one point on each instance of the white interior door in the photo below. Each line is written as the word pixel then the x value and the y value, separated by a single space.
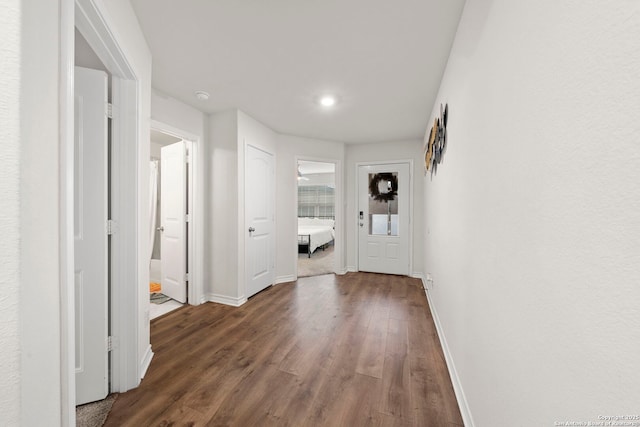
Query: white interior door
pixel 383 218
pixel 91 240
pixel 259 215
pixel 173 211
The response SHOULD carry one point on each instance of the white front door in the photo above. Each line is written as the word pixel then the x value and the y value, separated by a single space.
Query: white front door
pixel 173 225
pixel 259 214
pixel 90 231
pixel 383 218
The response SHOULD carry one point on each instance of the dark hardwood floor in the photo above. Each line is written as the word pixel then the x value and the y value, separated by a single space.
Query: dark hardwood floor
pixel 353 350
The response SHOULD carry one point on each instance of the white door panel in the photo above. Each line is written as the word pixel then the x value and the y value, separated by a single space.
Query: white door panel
pixel 173 208
pixel 383 225
pixel 259 213
pixel 91 240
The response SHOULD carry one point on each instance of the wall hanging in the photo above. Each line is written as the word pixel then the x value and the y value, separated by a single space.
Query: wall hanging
pixel 436 140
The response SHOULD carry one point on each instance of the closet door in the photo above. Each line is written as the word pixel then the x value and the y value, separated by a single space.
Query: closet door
pixel 90 230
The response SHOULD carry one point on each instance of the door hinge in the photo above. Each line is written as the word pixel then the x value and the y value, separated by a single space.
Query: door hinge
pixel 112 343
pixel 187 218
pixel 109 110
pixel 112 227
pixel 186 277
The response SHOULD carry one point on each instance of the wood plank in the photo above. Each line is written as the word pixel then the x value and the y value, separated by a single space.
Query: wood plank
pixel 395 396
pixel 358 349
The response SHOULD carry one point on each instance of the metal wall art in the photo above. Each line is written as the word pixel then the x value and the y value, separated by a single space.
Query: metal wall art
pixel 436 140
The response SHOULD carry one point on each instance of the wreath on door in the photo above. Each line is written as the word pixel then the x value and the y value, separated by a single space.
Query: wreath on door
pixel 391 187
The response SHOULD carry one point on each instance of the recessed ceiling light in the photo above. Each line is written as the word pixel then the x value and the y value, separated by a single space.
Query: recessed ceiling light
pixel 328 101
pixel 202 95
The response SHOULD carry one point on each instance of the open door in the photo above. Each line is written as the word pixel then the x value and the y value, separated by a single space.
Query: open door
pixel 90 235
pixel 259 215
pixel 383 218
pixel 173 211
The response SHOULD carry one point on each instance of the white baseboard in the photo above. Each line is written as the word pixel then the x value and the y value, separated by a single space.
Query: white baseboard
pixel 146 361
pixel 223 299
pixel 342 271
pixel 351 269
pixel 418 275
pixel 463 405
pixel 284 279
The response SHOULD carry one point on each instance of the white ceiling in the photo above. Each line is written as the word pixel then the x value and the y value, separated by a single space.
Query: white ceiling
pixel 273 59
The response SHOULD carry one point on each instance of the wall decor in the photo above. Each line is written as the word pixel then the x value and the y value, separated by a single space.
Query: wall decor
pixel 437 142
pixel 383 186
pixel 429 154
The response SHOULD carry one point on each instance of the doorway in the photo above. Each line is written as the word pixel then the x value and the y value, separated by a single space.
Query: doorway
pixel 384 220
pixel 127 361
pixel 168 207
pixel 316 216
pixel 91 213
pixel 259 207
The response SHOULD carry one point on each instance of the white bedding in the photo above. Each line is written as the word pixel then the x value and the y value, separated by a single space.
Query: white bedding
pixel 320 231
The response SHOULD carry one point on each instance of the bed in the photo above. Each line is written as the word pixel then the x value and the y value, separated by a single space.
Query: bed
pixel 314 233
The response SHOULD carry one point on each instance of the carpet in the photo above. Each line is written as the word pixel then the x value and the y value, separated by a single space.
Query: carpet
pixel 159 298
pixel 94 414
pixel 321 262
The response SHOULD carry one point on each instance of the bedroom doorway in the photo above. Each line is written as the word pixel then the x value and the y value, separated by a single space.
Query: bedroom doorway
pixel 316 217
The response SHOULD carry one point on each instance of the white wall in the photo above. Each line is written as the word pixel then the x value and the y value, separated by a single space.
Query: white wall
pixel 182 117
pixel 40 327
pixel 383 152
pixel 86 57
pixel 250 132
pixel 10 374
pixel 229 133
pixel 289 149
pixel 221 249
pixel 172 112
pixel 532 230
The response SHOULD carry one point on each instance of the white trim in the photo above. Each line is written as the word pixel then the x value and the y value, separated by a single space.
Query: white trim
pixel 284 279
pixel 196 209
pixel 357 203
pixel 87 16
pixel 223 299
pixel 146 361
pixel 351 268
pixel 339 241
pixel 125 319
pixel 67 294
pixel 463 405
pixel 94 27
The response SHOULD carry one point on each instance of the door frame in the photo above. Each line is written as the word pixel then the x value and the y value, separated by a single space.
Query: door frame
pixel 338 266
pixel 195 291
pixel 357 203
pixel 125 370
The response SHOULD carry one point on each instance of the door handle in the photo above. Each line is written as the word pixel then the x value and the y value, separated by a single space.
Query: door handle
pixel 251 229
pixel 161 228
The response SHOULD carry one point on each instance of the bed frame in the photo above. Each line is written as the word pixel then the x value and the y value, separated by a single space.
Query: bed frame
pixel 304 240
